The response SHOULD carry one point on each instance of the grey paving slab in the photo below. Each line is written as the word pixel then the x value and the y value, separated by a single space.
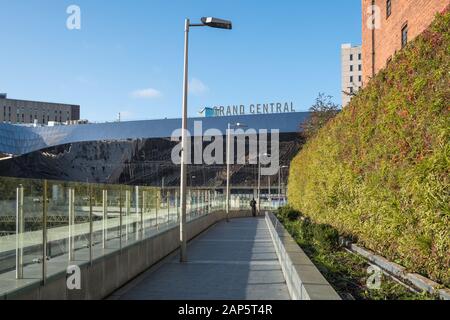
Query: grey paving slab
pixel 231 261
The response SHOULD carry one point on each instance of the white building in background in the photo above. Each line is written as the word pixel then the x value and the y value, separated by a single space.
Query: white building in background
pixel 351 64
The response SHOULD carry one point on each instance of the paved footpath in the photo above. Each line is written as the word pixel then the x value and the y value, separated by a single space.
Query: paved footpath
pixel 230 261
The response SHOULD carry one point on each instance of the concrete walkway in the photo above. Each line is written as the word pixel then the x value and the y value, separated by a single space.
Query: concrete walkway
pixel 230 261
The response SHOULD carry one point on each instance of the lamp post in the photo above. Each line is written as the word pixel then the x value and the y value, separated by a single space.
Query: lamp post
pixel 259 180
pixel 230 126
pixel 279 184
pixel 205 22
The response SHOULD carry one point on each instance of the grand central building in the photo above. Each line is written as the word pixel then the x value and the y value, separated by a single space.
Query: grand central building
pixel 136 152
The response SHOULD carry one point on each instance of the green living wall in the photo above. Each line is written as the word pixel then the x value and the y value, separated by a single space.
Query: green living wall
pixel 379 171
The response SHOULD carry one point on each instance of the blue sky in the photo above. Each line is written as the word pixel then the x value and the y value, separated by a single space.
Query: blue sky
pixel 128 55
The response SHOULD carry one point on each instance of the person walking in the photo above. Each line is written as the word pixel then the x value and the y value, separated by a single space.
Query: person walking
pixel 253 206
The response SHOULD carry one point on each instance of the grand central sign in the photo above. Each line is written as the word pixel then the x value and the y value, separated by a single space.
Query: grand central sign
pixel 265 108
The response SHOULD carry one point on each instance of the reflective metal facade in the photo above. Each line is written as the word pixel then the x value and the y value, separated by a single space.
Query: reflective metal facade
pixel 20 140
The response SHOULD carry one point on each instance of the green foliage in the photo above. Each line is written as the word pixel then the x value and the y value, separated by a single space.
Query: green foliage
pixel 379 171
pixel 326 237
pixel 288 213
pixel 323 236
pixel 322 111
pixel 345 271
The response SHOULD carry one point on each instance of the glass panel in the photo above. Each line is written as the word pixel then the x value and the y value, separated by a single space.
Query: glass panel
pixel 126 193
pixel 97 220
pixel 32 237
pixel 81 226
pixel 8 225
pixel 113 216
pixel 58 194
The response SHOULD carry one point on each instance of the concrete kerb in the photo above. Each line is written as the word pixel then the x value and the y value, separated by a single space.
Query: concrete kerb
pixel 304 280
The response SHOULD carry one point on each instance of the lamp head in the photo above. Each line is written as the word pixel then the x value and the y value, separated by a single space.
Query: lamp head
pixel 217 23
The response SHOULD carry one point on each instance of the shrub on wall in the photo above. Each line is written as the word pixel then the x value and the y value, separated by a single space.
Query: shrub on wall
pixel 379 171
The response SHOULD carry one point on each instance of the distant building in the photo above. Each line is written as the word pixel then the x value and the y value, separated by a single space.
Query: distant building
pixel 33 112
pixel 351 64
pixel 400 21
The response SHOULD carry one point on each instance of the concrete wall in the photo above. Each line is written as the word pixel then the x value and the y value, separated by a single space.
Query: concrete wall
pixel 303 279
pixel 111 272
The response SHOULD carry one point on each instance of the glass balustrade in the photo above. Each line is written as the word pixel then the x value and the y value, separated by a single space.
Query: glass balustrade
pixel 45 226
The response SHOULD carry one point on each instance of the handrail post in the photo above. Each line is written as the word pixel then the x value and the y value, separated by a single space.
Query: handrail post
pixel 156 208
pixel 127 213
pixel 44 234
pixel 205 201
pixel 136 196
pixel 91 227
pixel 105 219
pixel 71 224
pixel 168 208
pixel 19 232
pixel 199 208
pixel 177 206
pixel 188 203
pixel 120 218
pixel 142 215
pixel 208 204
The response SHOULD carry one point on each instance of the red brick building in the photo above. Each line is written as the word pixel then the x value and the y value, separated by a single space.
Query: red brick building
pixel 395 23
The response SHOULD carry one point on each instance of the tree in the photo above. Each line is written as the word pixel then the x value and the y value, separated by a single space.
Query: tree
pixel 322 111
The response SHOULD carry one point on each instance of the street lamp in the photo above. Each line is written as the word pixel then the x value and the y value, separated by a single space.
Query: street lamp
pixel 206 22
pixel 279 184
pixel 230 126
pixel 259 179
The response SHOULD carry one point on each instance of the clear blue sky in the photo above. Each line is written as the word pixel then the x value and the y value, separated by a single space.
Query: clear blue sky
pixel 128 55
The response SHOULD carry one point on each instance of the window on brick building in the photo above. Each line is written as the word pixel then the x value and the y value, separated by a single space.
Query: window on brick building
pixel 405 35
pixel 359 78
pixel 351 68
pixel 388 8
pixel 359 56
pixel 351 57
pixel 351 78
pixel 359 67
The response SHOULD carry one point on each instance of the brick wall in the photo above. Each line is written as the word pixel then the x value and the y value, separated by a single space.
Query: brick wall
pixel 417 14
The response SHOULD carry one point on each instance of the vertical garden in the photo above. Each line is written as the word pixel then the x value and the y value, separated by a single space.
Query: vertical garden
pixel 379 171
